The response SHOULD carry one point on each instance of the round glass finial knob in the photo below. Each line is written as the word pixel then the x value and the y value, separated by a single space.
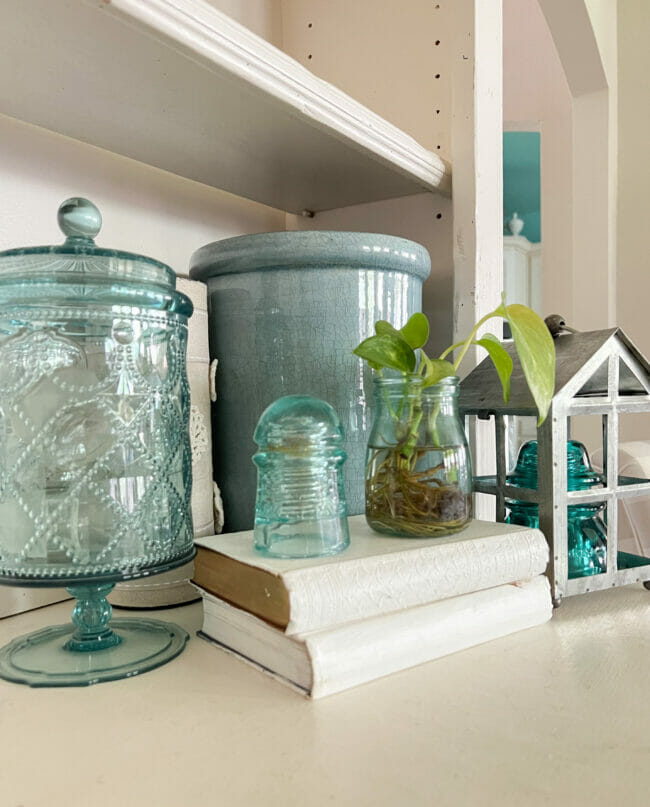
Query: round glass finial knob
pixel 79 218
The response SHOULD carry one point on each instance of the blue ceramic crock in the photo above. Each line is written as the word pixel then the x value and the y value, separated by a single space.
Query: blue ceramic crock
pixel 286 311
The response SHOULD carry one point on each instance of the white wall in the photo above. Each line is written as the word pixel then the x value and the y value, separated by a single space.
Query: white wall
pixel 536 96
pixel 584 33
pixel 633 185
pixel 262 17
pixel 384 54
pixel 605 66
pixel 144 209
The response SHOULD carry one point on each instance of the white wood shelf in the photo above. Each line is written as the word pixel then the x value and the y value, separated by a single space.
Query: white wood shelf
pixel 178 85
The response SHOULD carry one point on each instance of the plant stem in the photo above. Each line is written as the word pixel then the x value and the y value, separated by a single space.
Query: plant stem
pixel 450 349
pixel 466 344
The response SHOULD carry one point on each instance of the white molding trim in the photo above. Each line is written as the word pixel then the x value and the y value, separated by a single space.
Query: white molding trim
pixel 179 85
pixel 521 244
pixel 199 30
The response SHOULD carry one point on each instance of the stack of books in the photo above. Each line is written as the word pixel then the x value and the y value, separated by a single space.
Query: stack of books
pixel 323 625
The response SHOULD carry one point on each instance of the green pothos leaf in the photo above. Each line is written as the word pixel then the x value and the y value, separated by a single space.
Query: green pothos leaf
pixel 435 370
pixel 384 328
pixel 536 352
pixel 501 360
pixel 416 330
pixel 387 350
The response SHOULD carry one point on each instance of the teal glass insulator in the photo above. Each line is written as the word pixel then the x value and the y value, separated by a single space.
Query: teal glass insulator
pixel 95 463
pixel 300 508
pixel 586 531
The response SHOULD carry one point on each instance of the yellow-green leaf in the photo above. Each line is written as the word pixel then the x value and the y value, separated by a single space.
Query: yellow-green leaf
pixel 383 328
pixel 501 360
pixel 416 330
pixel 436 370
pixel 536 353
pixel 387 350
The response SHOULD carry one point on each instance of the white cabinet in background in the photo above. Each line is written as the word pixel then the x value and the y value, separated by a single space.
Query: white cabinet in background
pixel 522 271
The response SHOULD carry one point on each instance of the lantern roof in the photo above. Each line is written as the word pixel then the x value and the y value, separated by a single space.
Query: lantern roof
pixel 581 371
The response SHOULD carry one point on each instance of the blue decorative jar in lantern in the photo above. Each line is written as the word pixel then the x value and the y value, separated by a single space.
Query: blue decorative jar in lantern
pixel 587 534
pixel 95 465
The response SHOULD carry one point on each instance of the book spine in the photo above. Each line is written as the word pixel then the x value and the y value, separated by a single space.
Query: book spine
pixel 381 584
pixel 360 652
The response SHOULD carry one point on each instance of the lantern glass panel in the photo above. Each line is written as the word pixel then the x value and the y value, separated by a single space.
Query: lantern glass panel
pixel 588 430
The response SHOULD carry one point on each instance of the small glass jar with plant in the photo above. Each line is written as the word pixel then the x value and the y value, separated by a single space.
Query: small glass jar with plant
pixel 418 472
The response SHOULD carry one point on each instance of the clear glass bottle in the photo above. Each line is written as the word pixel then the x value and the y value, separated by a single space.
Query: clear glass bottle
pixel 419 472
pixel 300 509
pixel 586 531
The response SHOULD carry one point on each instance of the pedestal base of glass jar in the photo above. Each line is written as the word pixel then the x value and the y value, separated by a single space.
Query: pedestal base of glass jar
pixel 41 659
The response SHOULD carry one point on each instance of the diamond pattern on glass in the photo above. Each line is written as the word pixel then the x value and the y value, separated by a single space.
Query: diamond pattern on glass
pixel 95 464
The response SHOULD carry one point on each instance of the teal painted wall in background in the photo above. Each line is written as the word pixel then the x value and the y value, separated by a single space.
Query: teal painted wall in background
pixel 521 181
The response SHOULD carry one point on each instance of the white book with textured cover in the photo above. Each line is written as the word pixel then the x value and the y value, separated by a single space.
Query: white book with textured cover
pixel 329 661
pixel 375 575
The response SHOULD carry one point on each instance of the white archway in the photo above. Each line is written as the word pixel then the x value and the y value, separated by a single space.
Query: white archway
pixel 560 78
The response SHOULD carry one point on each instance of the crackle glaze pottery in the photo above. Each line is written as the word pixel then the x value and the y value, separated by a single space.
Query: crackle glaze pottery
pixel 95 465
pixel 286 311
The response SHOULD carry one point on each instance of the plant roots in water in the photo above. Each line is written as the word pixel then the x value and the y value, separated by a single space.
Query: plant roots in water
pixel 402 500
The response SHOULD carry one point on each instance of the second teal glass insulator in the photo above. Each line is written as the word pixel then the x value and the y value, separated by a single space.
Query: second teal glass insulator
pixel 300 508
pixel 586 531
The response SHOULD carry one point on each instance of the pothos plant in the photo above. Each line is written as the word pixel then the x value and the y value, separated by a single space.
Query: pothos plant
pixel 408 486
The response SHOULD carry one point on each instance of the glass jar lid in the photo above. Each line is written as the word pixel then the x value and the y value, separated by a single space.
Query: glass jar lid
pixel 78 259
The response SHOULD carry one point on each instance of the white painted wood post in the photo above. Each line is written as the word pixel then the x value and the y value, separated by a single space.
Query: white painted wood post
pixel 477 126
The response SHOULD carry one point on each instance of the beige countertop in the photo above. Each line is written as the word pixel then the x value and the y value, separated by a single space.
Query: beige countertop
pixel 558 714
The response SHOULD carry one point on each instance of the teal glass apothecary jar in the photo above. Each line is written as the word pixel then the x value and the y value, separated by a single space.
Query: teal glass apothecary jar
pixel 586 531
pixel 300 506
pixel 95 465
